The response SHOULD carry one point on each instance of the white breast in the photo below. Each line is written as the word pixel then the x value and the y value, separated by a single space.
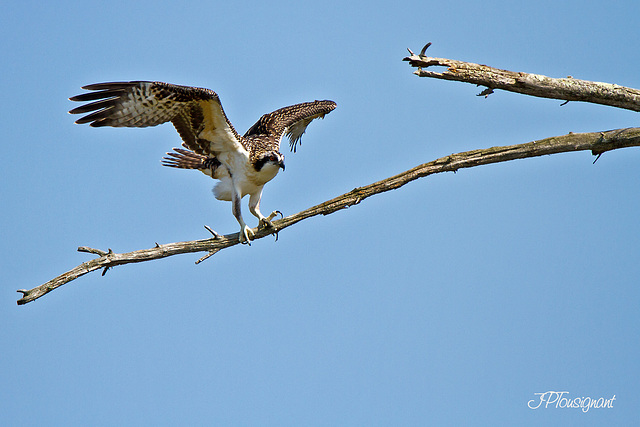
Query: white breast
pixel 247 179
pixel 266 174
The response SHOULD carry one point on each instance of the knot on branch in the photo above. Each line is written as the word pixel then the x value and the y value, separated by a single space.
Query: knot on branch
pixel 488 91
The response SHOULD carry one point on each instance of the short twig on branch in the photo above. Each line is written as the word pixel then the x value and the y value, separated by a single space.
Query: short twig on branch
pixel 568 89
pixel 597 143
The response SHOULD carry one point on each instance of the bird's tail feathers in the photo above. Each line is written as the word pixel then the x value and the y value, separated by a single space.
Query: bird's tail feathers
pixel 186 159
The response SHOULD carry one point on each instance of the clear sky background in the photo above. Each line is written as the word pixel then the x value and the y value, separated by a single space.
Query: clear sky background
pixel 450 301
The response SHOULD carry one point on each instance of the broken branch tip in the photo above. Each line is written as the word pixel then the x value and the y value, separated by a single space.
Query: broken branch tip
pixel 424 49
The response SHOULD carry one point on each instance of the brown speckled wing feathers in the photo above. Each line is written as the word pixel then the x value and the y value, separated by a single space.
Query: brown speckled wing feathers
pixel 141 104
pixel 292 121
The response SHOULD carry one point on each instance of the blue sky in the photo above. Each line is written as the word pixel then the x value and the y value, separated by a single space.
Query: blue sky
pixel 450 301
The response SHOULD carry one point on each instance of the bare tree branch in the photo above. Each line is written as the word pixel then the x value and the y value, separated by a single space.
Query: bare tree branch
pixel 568 89
pixel 597 143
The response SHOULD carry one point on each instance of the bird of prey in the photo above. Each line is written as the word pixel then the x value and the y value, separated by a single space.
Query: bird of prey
pixel 242 164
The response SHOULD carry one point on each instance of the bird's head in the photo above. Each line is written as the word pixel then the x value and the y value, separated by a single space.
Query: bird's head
pixel 270 157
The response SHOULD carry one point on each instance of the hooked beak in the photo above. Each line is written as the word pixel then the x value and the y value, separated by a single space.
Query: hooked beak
pixel 281 164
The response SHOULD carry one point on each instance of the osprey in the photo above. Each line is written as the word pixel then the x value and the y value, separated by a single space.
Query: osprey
pixel 242 164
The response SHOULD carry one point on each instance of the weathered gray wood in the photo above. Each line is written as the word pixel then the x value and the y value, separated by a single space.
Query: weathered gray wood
pixel 568 89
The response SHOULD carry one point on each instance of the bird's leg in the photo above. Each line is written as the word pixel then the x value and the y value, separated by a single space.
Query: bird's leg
pixel 245 232
pixel 254 208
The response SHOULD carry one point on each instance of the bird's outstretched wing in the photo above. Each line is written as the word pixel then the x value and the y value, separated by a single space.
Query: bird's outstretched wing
pixel 292 121
pixel 196 113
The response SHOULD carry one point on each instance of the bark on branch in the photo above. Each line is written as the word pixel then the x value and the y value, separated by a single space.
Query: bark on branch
pixel 568 89
pixel 597 143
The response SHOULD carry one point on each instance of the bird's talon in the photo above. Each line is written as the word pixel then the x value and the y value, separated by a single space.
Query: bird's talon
pixel 245 235
pixel 274 214
pixel 265 222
